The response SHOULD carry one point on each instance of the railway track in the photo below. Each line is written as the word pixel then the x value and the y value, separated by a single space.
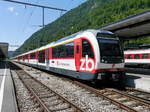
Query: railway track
pixel 45 98
pixel 125 101
pixel 121 99
pixel 128 100
pixel 139 93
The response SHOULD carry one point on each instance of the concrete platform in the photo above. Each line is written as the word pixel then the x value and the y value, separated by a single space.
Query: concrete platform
pixel 138 81
pixel 7 93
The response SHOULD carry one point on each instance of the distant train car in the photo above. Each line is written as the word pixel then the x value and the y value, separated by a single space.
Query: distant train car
pixel 138 58
pixel 87 55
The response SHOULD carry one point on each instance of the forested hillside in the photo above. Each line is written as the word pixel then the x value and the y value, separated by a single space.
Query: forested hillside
pixel 89 15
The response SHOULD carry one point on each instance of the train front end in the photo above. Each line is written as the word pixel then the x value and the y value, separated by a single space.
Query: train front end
pixel 110 59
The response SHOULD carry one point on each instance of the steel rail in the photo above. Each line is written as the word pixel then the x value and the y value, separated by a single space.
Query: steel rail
pixel 45 109
pixel 130 97
pixel 21 72
pixel 140 91
pixel 99 93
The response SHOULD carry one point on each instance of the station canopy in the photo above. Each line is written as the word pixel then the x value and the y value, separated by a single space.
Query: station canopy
pixel 3 50
pixel 132 27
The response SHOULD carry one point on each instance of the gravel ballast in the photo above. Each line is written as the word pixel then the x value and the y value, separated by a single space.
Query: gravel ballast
pixel 87 101
pixel 24 99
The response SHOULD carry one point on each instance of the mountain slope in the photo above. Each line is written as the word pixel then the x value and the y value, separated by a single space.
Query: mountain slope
pixel 89 15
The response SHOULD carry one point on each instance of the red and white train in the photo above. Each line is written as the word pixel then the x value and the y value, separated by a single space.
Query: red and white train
pixel 87 55
pixel 138 57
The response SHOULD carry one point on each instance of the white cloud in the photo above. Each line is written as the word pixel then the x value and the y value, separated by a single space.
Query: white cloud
pixel 16 13
pixel 11 9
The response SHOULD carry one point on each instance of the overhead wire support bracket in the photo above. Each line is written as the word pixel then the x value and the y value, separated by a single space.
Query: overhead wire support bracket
pixel 35 5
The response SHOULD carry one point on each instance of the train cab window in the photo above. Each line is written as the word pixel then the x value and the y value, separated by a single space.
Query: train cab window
pixel 41 56
pixel 144 56
pixel 136 56
pixel 87 49
pixel 129 56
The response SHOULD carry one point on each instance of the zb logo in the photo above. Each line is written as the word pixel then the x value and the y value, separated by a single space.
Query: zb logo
pixel 87 64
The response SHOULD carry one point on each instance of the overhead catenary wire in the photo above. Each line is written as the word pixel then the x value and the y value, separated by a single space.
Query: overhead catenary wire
pixel 31 13
pixel 35 5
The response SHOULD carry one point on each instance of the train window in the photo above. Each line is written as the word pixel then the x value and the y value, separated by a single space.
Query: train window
pixel 136 56
pixel 47 54
pixel 23 58
pixel 144 56
pixel 41 56
pixel 32 56
pixel 129 56
pixel 54 52
pixel 87 49
pixel 61 51
pixel 70 49
pixel 64 51
pixel 26 56
pixel 126 56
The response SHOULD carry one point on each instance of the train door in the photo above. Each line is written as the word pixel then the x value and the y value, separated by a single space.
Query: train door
pixel 87 61
pixel 47 58
pixel 77 52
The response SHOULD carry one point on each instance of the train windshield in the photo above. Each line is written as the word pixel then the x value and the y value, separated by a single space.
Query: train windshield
pixel 109 47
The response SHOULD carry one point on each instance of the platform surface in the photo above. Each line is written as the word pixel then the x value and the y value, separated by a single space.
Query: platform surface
pixel 7 94
pixel 139 81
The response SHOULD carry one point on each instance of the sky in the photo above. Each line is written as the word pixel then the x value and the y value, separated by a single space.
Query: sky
pixel 19 22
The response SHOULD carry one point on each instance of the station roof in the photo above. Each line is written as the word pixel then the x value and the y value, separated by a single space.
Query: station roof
pixel 3 50
pixel 131 27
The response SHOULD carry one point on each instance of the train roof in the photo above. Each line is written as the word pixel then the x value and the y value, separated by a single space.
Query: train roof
pixel 98 31
pixel 89 30
pixel 32 51
pixel 67 38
